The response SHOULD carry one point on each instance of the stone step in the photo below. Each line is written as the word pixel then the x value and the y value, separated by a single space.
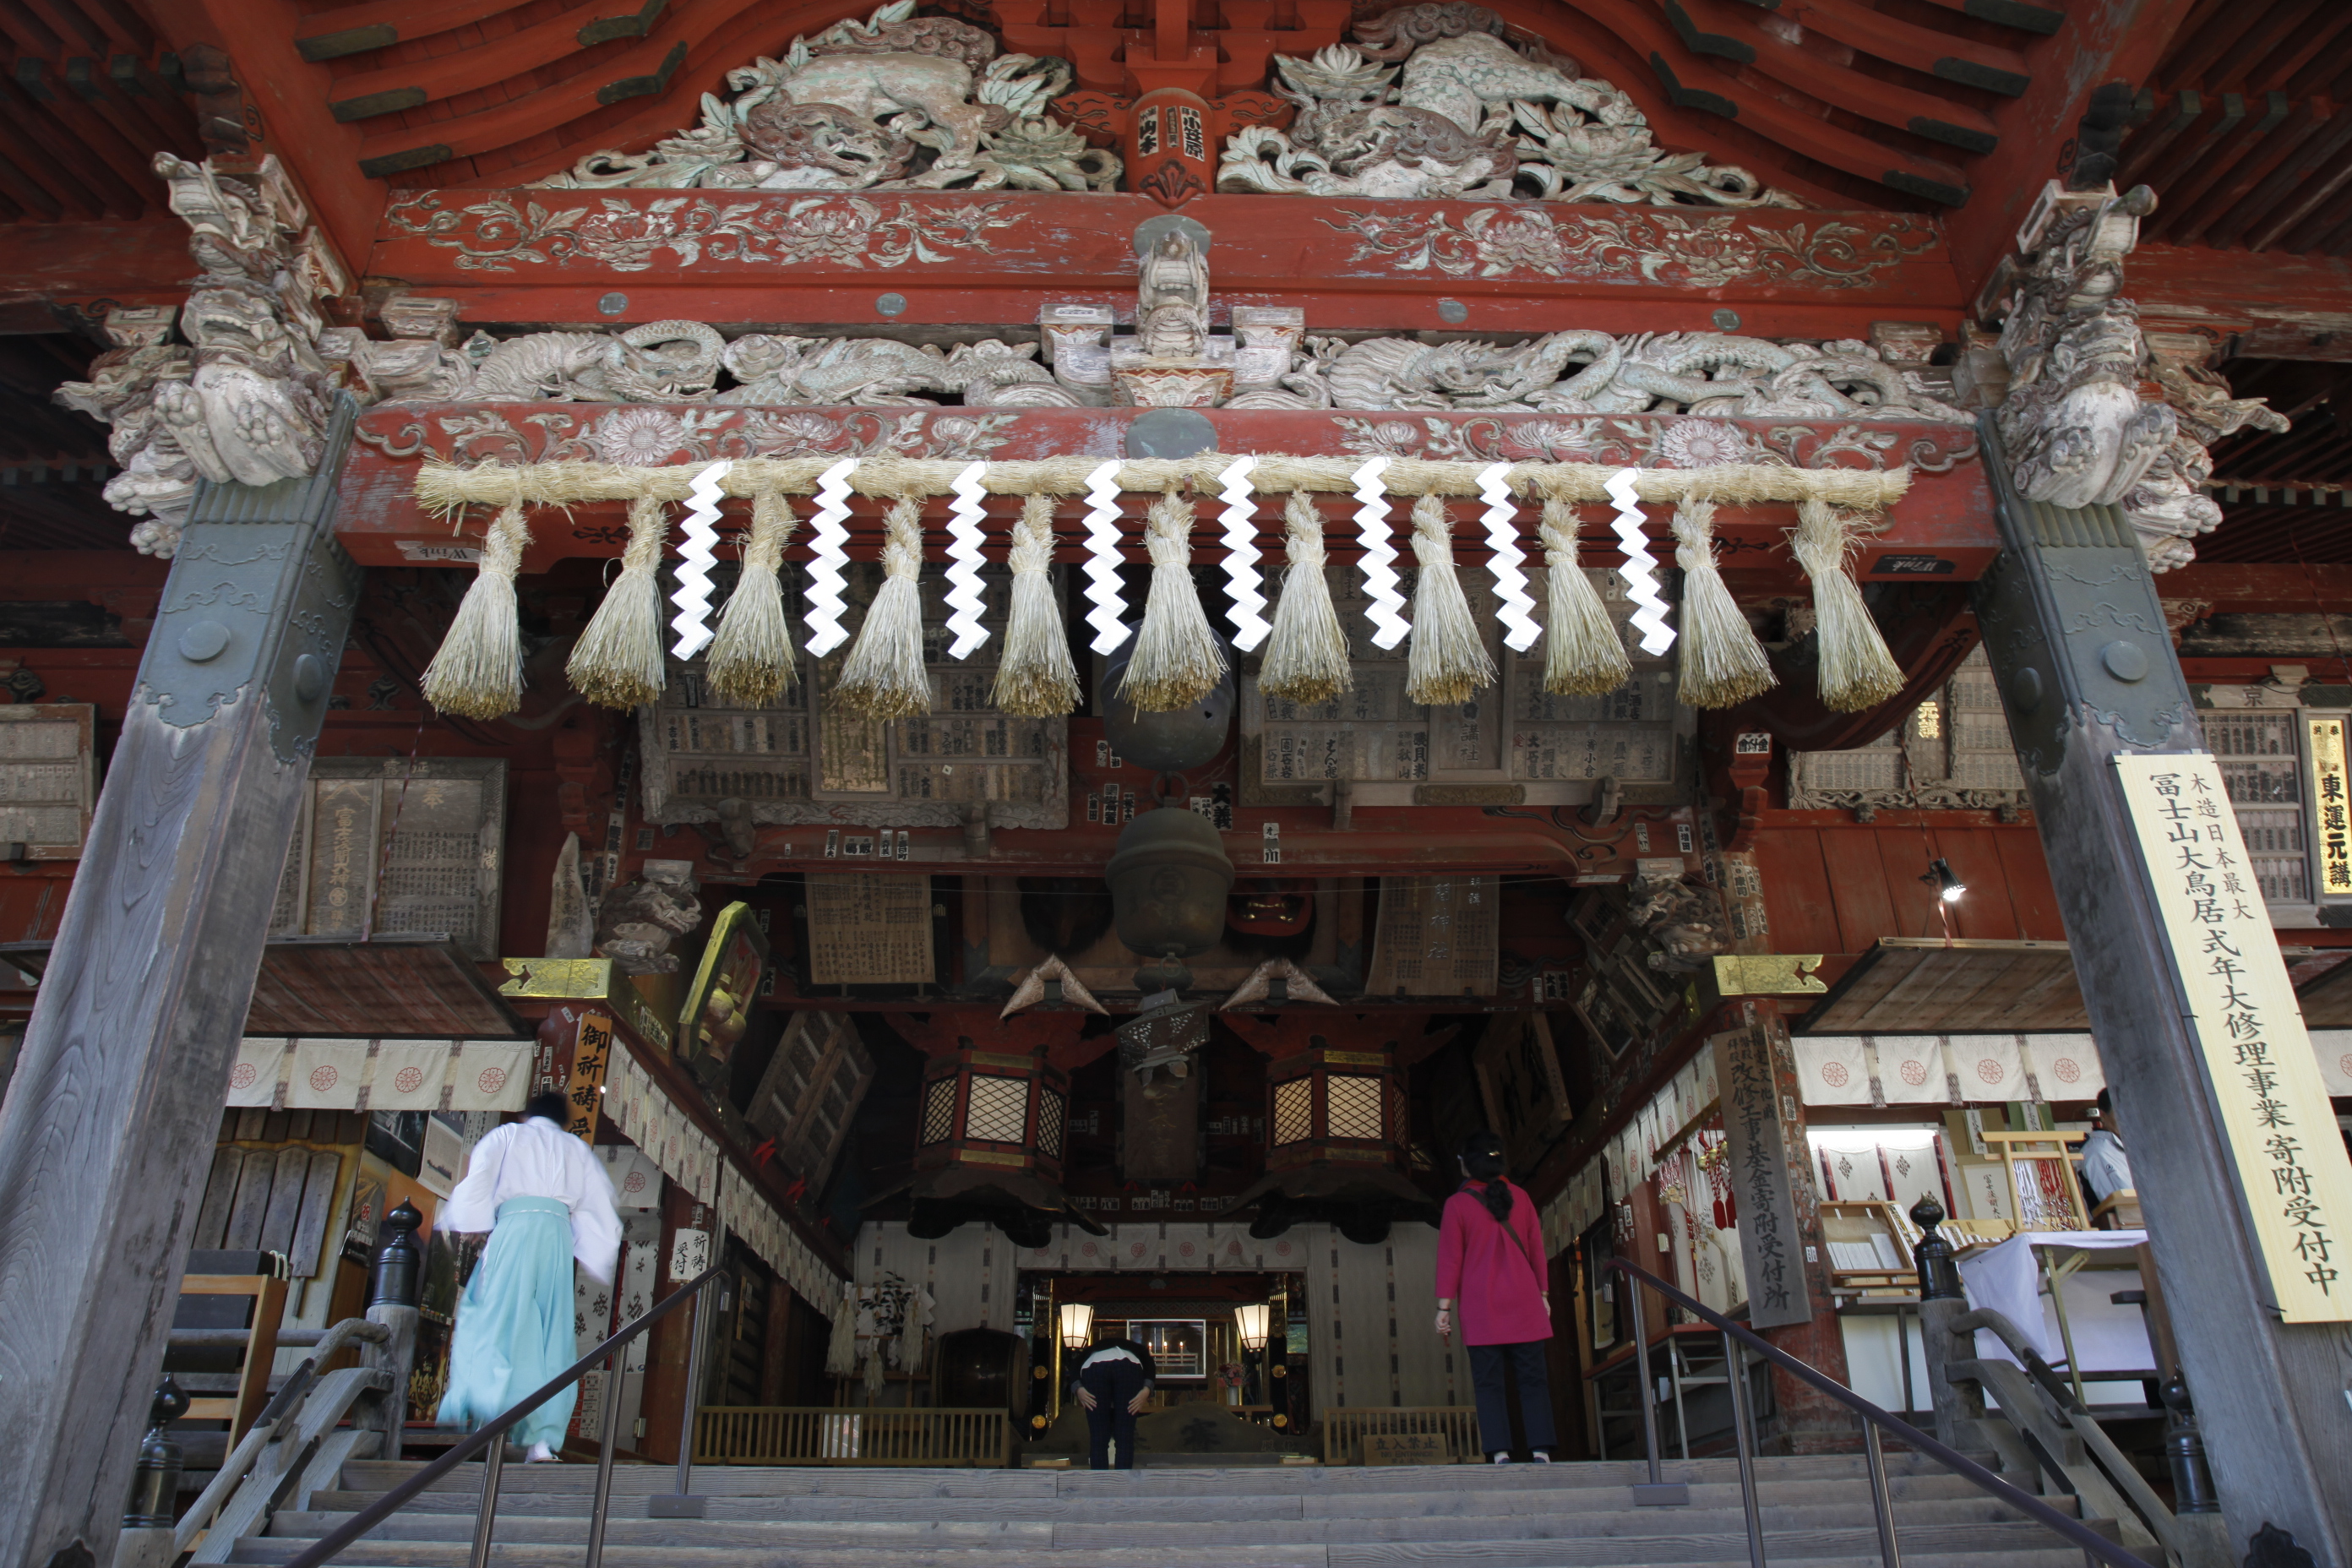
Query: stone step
pixel 1435 1525
pixel 1145 1504
pixel 891 1481
pixel 1936 1546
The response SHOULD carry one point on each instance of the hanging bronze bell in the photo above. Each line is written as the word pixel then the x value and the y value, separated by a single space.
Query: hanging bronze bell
pixel 1168 879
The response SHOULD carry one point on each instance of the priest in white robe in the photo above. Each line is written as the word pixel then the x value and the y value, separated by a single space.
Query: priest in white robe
pixel 547 1203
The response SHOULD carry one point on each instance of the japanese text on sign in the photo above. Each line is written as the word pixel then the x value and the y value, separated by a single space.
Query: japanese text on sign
pixel 2291 1161
pixel 2328 785
pixel 591 1058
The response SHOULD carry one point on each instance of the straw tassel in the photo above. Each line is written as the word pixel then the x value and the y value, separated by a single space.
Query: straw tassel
pixel 1584 656
pixel 1723 665
pixel 1176 661
pixel 618 662
pixel 1037 678
pixel 1307 656
pixel 751 661
pixel 477 670
pixel 1448 662
pixel 1856 670
pixel 884 678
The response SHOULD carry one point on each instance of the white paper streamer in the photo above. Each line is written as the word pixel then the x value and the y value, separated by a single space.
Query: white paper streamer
pixel 828 532
pixel 1242 577
pixel 694 559
pixel 1389 626
pixel 1640 570
pixel 1519 628
pixel 967 600
pixel 1108 618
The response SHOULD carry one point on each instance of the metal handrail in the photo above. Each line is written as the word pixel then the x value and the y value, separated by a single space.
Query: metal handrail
pixel 491 1436
pixel 1874 1418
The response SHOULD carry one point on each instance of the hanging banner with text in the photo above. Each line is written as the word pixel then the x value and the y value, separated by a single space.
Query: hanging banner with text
pixel 2242 1012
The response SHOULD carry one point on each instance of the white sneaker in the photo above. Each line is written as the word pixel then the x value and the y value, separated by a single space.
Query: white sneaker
pixel 540 1454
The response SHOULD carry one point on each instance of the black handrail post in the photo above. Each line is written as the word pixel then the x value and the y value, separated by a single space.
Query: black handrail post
pixel 494 1462
pixel 1881 1502
pixel 1735 1383
pixel 683 1503
pixel 1658 1493
pixel 612 1435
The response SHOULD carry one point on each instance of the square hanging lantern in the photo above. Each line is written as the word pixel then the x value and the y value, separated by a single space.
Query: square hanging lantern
pixel 1250 1322
pixel 1077 1325
pixel 1325 1104
pixel 993 1109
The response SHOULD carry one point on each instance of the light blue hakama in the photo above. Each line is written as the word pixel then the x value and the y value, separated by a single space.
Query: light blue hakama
pixel 515 1328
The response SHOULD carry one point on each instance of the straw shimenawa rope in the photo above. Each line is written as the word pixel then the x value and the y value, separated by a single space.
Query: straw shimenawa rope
pixel 477 670
pixel 1037 678
pixel 1177 661
pixel 1584 656
pixel 617 662
pixel 1448 661
pixel 1307 654
pixel 751 660
pixel 1723 665
pixel 1856 670
pixel 884 678
pixel 442 486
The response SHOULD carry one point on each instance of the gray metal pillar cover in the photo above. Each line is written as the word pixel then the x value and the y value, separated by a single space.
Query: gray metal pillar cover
pixel 110 1121
pixel 2086 669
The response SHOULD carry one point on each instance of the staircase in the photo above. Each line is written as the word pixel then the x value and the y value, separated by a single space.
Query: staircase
pixel 1816 1512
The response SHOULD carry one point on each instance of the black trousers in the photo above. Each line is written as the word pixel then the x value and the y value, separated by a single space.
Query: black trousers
pixel 1113 1384
pixel 1491 1369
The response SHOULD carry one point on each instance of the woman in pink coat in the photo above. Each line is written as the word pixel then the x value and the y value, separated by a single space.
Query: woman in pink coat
pixel 1490 1260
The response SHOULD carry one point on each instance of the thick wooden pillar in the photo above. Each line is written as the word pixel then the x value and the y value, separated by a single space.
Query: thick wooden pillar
pixel 110 1121
pixel 2087 673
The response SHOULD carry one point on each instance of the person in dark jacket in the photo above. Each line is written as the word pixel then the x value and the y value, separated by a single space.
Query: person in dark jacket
pixel 1490 1258
pixel 1114 1382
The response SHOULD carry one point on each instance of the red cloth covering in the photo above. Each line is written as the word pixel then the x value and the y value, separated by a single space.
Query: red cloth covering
pixel 1488 1269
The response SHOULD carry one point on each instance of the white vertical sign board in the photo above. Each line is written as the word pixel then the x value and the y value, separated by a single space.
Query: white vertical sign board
pixel 2290 1158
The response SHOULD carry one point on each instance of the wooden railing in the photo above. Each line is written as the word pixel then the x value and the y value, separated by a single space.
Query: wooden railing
pixel 1345 1429
pixel 817 1435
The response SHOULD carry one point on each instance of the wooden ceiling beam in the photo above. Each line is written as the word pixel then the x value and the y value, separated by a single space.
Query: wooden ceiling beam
pixel 289 96
pixel 380 24
pixel 2324 134
pixel 412 84
pixel 2103 41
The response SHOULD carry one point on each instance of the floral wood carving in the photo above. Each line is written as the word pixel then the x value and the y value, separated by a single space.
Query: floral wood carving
pixel 651 437
pixel 894 103
pixel 1657 248
pixel 1439 100
pixel 499 236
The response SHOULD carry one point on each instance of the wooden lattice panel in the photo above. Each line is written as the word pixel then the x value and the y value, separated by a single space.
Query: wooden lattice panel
pixel 1925 985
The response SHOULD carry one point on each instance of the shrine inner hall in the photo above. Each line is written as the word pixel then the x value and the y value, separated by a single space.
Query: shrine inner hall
pixel 1176 782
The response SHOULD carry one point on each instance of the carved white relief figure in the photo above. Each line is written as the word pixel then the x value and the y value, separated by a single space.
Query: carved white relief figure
pixel 1437 101
pixel 2075 428
pixel 889 104
pixel 247 400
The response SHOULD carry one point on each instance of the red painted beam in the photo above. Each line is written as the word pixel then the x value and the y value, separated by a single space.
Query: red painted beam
pixel 145 262
pixel 2223 291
